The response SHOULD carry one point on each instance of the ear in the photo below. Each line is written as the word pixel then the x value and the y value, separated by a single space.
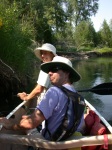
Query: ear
pixel 67 74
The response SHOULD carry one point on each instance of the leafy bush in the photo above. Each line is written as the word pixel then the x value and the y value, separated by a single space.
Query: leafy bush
pixel 15 37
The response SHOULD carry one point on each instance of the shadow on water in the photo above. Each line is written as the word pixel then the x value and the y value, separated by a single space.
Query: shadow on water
pixel 95 71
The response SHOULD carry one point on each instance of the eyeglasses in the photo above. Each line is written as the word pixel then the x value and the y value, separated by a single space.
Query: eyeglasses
pixel 55 69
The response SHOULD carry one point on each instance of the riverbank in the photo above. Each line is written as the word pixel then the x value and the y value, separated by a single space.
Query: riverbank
pixel 84 55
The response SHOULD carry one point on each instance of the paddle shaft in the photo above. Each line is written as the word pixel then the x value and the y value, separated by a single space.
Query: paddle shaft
pixel 15 109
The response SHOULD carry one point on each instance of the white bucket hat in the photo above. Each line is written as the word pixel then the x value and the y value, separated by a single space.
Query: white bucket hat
pixel 63 63
pixel 46 47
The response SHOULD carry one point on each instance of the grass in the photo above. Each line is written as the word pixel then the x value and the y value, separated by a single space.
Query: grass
pixel 104 50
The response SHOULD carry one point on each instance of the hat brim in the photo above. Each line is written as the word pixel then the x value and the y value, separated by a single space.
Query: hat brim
pixel 47 66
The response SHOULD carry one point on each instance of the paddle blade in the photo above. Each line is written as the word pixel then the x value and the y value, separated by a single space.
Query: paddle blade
pixel 102 89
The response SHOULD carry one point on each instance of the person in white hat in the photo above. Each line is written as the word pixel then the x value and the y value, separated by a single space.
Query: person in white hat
pixel 54 104
pixel 47 48
pixel 46 53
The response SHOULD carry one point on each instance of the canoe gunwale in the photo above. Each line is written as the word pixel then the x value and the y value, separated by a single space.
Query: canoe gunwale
pixel 42 143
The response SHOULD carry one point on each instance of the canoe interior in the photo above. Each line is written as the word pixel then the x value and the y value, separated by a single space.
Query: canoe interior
pixel 20 142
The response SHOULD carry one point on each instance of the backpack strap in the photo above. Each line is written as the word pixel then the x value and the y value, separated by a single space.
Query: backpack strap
pixel 78 108
pixel 60 131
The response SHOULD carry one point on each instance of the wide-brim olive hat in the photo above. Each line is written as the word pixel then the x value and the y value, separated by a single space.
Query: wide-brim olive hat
pixel 45 47
pixel 63 63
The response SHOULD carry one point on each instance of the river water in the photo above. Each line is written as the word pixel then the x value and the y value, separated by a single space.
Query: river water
pixel 94 72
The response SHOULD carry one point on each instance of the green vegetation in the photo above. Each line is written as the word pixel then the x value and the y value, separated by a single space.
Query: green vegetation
pixel 104 50
pixel 15 37
pixel 25 24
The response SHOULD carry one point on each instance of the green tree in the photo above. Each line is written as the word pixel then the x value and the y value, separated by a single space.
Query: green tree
pixel 15 37
pixel 85 35
pixel 110 25
pixel 81 10
pixel 105 34
pixel 53 19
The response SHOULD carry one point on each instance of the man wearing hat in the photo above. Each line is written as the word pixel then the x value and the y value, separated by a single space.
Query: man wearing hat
pixel 46 53
pixel 53 105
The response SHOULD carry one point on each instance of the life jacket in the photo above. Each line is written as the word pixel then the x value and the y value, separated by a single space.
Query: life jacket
pixel 94 127
pixel 74 112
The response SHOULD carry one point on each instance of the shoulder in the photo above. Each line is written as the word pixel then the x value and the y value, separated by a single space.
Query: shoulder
pixel 43 73
pixel 54 89
pixel 56 92
pixel 43 79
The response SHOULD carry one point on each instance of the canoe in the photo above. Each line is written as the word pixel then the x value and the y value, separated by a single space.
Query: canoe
pixel 10 140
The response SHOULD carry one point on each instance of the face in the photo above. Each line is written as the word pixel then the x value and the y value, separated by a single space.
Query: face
pixel 58 77
pixel 46 56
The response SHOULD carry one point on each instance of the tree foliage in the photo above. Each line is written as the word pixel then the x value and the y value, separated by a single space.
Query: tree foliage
pixel 15 36
pixel 60 21
pixel 82 10
pixel 85 35
pixel 105 35
pixel 110 25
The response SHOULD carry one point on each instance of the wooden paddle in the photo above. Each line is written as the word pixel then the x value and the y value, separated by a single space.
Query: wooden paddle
pixel 101 89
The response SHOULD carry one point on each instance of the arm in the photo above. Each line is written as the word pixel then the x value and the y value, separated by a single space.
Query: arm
pixel 36 91
pixel 27 122
pixel 33 121
pixel 43 81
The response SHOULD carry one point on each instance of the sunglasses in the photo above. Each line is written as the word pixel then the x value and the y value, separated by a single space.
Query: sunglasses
pixel 55 69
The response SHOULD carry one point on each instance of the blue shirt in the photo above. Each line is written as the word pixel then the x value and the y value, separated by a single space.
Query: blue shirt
pixel 53 106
